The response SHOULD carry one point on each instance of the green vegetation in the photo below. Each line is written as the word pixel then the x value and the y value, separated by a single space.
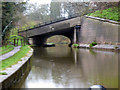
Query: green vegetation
pixel 110 13
pixel 3 73
pixel 9 47
pixel 75 45
pixel 6 49
pixel 11 11
pixel 12 37
pixel 29 25
pixel 92 44
pixel 26 26
pixel 15 58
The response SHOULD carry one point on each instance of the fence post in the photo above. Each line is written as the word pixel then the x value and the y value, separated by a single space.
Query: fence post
pixel 14 41
pixel 17 41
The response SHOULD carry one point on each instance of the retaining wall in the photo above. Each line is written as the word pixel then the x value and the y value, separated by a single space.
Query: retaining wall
pixel 99 30
pixel 16 72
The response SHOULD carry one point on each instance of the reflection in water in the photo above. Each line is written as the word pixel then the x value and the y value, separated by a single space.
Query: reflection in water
pixel 63 67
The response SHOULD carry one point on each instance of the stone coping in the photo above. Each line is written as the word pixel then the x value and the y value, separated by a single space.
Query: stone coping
pixel 102 19
pixel 10 71
pixel 101 46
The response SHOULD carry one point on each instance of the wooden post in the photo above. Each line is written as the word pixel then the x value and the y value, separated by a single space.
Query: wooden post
pixel 14 41
pixel 17 41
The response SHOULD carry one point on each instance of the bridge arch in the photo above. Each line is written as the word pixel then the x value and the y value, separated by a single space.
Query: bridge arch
pixel 66 27
pixel 41 39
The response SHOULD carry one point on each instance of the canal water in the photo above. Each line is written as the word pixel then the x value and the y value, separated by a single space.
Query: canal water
pixel 64 67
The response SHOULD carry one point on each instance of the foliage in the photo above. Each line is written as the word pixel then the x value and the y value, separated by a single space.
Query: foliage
pixel 27 26
pixel 92 44
pixel 3 73
pixel 38 13
pixel 12 37
pixel 55 10
pixel 110 13
pixel 10 13
pixel 15 58
pixel 75 45
pixel 24 27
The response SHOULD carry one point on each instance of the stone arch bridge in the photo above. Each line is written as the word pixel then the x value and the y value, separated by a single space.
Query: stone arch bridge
pixel 66 26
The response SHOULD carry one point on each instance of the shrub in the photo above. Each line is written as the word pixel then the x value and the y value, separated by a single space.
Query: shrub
pixel 92 44
pixel 75 45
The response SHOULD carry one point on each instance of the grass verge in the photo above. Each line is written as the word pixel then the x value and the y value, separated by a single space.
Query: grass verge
pixel 110 13
pixel 15 58
pixel 6 49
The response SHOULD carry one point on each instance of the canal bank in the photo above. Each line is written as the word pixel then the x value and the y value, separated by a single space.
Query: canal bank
pixel 15 72
pixel 101 47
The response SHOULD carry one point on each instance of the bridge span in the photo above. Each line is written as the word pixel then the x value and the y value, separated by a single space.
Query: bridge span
pixel 66 27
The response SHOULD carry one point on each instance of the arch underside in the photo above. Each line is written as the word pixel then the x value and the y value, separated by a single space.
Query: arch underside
pixel 41 39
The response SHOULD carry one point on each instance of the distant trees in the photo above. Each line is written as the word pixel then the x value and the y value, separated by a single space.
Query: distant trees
pixel 38 13
pixel 80 8
pixel 11 11
pixel 93 6
pixel 55 10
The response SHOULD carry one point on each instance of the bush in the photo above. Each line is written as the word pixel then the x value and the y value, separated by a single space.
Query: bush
pixel 92 44
pixel 75 45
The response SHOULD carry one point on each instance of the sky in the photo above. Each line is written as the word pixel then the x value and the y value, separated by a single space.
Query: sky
pixel 40 1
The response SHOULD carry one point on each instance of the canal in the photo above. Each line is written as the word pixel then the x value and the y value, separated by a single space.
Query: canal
pixel 64 67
